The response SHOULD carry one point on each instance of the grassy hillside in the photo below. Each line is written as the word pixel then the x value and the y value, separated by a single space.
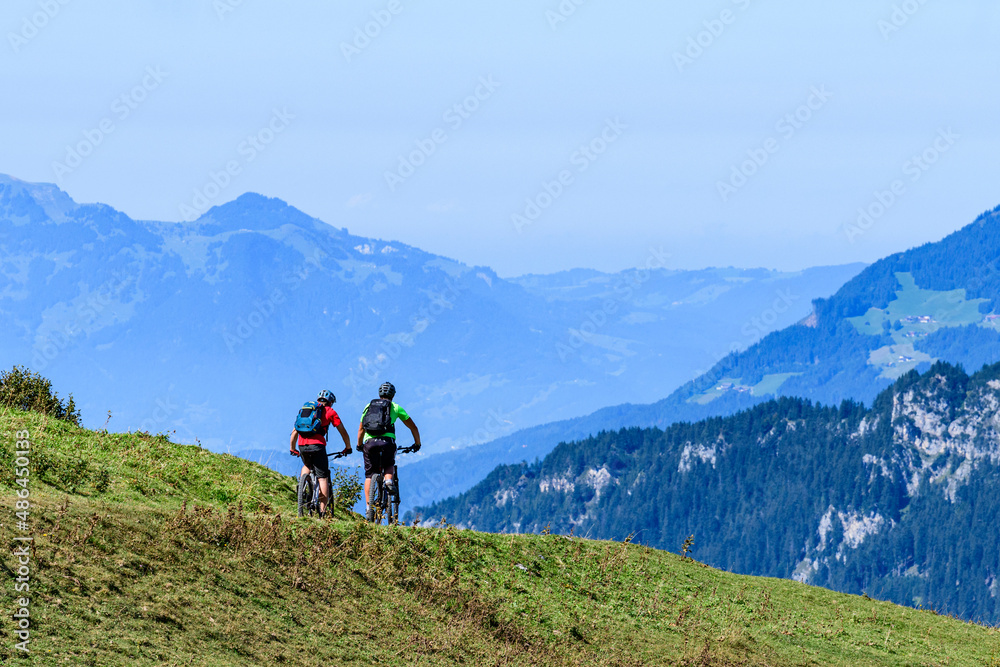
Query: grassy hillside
pixel 150 553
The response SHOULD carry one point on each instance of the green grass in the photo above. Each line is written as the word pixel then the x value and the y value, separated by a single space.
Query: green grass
pixel 135 467
pixel 714 392
pixel 771 383
pixel 892 359
pixel 189 575
pixel 948 309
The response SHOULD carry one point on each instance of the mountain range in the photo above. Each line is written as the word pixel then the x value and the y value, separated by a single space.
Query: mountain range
pixel 899 500
pixel 217 330
pixel 935 302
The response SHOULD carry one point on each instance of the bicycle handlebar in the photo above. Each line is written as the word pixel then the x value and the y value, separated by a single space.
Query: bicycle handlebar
pixel 340 455
pixel 332 455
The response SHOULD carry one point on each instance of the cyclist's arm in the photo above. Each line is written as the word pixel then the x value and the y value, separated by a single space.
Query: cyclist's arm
pixel 413 429
pixel 347 439
pixel 292 442
pixel 361 435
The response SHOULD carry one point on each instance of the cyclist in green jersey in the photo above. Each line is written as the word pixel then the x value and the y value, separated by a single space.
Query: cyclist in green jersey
pixel 377 437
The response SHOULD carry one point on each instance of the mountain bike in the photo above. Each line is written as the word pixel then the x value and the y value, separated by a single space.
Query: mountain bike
pixel 308 489
pixel 384 503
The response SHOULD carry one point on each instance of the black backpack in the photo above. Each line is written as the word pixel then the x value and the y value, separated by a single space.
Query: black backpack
pixel 378 417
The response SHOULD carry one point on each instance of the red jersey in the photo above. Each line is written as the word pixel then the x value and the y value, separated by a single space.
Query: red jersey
pixel 330 418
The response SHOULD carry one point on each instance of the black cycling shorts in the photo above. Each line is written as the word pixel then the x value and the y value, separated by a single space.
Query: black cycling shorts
pixel 318 461
pixel 380 455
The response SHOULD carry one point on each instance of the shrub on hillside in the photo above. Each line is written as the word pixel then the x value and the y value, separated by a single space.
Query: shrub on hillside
pixel 25 390
pixel 347 488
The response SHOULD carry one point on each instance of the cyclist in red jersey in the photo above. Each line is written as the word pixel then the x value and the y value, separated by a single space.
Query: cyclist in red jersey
pixel 313 448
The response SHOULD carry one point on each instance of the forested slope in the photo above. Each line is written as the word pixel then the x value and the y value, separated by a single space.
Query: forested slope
pixel 900 500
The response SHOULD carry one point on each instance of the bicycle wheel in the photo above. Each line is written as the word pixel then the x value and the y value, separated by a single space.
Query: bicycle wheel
pixel 393 511
pixel 305 494
pixel 394 501
pixel 385 504
pixel 375 498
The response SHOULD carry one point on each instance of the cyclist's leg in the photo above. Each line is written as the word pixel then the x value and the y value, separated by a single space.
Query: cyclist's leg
pixel 379 482
pixel 306 487
pixel 374 491
pixel 369 471
pixel 394 498
pixel 315 495
pixel 378 456
pixel 375 482
pixel 389 461
pixel 324 493
pixel 309 462
pixel 317 465
pixel 321 464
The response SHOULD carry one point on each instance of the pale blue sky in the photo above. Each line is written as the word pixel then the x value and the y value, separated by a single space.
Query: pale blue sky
pixel 681 128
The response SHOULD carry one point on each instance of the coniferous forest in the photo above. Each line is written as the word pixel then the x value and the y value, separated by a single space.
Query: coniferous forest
pixel 900 501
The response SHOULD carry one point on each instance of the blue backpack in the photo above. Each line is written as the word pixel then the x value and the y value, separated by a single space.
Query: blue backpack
pixel 309 421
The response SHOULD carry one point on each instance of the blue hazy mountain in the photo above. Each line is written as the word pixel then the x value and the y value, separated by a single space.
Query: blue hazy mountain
pixel 219 329
pixel 935 302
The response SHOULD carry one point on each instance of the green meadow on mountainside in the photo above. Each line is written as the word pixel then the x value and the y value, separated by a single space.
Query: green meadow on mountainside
pixel 148 553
